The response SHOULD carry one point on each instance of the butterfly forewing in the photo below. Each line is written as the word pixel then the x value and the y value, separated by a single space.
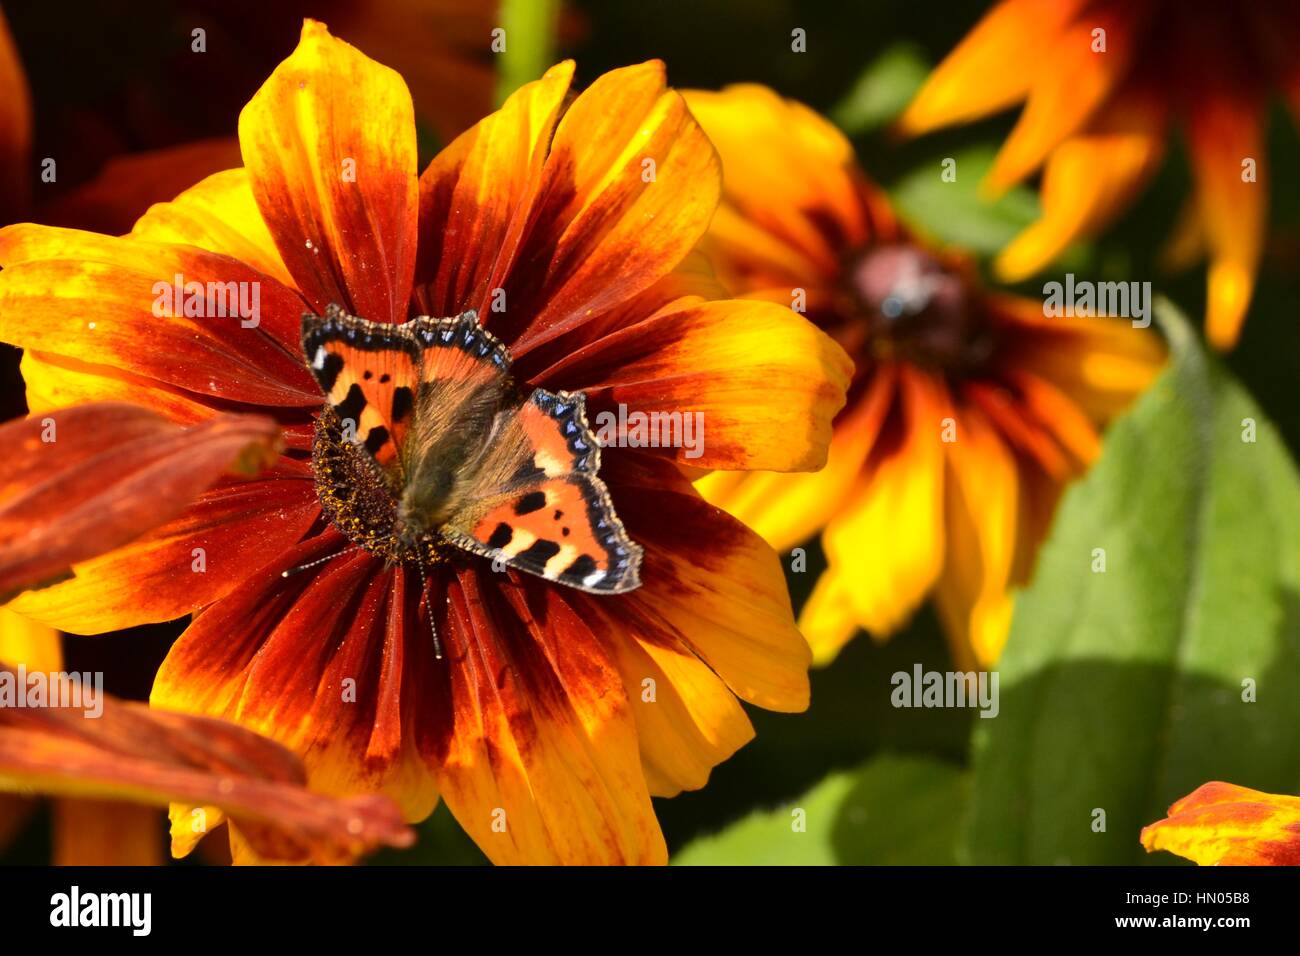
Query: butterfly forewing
pixel 369 372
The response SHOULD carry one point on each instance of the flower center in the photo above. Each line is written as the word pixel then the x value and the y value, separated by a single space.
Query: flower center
pixel 360 499
pixel 919 310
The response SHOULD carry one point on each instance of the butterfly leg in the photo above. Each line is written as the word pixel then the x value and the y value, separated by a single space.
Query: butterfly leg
pixel 428 610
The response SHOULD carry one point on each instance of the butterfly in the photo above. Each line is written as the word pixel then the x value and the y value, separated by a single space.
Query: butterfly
pixel 425 441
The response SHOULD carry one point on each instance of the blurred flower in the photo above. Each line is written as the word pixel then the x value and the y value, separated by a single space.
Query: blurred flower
pixel 15 127
pixel 118 193
pixel 536 728
pixel 1220 823
pixel 969 410
pixel 108 769
pixel 1103 83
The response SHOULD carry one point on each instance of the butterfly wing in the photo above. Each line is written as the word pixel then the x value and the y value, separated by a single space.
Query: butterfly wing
pixel 537 504
pixel 369 372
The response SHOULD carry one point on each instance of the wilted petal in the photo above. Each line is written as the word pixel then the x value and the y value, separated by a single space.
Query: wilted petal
pixel 130 752
pixel 85 480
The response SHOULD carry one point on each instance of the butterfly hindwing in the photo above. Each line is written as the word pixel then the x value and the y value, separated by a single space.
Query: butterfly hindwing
pixel 539 505
pixel 369 372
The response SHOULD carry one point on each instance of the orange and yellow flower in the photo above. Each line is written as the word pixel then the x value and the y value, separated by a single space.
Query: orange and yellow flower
pixel 1223 824
pixel 556 714
pixel 1103 83
pixel 969 409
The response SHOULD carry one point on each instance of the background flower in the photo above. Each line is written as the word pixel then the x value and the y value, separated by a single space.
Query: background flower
pixel 969 409
pixel 1103 85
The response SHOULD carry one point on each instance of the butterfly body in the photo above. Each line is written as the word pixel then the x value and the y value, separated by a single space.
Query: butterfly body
pixel 426 449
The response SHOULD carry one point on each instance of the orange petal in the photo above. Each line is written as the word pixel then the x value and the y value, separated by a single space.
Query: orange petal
pixel 789 508
pixel 758 383
pixel 1099 363
pixel 477 194
pixel 218 214
pixel 97 298
pixel 1069 85
pixel 898 509
pixel 687 720
pixel 828 618
pixel 58 381
pixel 709 584
pixel 133 753
pixel 993 67
pixel 1223 132
pixel 104 833
pixel 1221 823
pixel 88 479
pixel 327 662
pixel 127 185
pixel 627 191
pixel 1069 89
pixel 186 563
pixel 329 142
pixel 788 172
pixel 981 519
pixel 541 762
pixel 1089 180
pixel 15 128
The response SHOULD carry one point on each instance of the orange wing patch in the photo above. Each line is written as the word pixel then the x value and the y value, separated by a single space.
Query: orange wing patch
pixel 369 372
pixel 458 351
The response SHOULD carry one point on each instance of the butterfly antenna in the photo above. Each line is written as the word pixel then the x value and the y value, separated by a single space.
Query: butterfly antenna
pixel 424 603
pixel 311 564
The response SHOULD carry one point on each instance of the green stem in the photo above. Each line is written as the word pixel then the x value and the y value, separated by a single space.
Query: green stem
pixel 530 27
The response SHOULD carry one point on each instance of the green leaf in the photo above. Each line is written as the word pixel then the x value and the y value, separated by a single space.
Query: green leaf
pixel 882 90
pixel 530 27
pixel 891 810
pixel 1122 690
pixel 953 212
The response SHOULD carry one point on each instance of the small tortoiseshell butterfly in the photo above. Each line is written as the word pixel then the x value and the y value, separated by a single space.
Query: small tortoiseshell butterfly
pixel 426 442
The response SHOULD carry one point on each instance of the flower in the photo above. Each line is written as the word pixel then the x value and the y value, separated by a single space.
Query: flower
pixel 107 768
pixel 1103 84
pixel 969 409
pixel 1221 823
pixel 555 714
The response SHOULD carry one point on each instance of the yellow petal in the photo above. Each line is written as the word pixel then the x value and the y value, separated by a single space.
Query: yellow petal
pixel 1223 134
pixel 24 641
pixel 789 508
pixel 981 517
pixel 889 541
pixel 1223 824
pixel 1089 180
pixel 992 68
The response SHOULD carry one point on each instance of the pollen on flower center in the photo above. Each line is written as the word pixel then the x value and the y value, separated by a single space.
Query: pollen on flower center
pixel 361 501
pixel 918 310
